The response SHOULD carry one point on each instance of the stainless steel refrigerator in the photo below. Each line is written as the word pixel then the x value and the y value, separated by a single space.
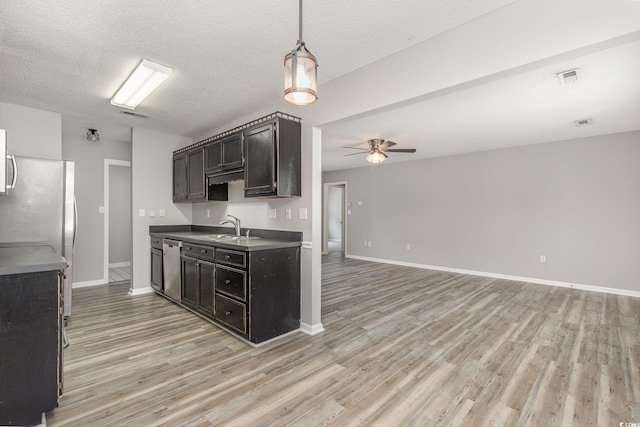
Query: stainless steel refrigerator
pixel 39 206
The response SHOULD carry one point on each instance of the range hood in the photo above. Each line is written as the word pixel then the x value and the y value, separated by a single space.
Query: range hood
pixel 224 178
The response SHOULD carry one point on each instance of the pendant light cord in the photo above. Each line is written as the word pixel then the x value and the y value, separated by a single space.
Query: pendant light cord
pixel 300 23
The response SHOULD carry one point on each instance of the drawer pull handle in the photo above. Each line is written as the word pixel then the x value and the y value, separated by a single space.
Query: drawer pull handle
pixel 203 251
pixel 228 313
pixel 226 282
pixel 227 257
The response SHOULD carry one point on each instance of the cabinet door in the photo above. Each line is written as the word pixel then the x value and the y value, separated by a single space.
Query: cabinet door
pixel 189 282
pixel 156 269
pixel 260 154
pixel 232 152
pixel 195 168
pixel 179 177
pixel 213 157
pixel 205 300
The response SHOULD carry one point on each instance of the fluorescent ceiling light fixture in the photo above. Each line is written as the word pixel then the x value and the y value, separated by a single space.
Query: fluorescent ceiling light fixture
pixel 144 80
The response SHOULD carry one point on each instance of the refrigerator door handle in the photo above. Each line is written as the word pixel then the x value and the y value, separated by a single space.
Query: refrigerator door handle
pixel 15 172
pixel 75 221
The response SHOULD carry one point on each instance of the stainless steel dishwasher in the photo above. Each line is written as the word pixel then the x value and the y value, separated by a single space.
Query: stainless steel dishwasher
pixel 171 253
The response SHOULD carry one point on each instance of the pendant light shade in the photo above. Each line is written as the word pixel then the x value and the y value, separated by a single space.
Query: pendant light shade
pixel 300 73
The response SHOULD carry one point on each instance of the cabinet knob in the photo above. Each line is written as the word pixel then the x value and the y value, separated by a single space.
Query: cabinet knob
pixel 226 282
pixel 228 312
pixel 227 257
pixel 203 251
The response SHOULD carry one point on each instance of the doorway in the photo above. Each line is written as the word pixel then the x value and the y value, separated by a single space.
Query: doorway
pixel 117 221
pixel 334 224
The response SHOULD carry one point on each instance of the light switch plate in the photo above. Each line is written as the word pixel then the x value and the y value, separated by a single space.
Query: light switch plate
pixel 272 213
pixel 302 213
pixel 101 209
pixel 141 212
pixel 287 213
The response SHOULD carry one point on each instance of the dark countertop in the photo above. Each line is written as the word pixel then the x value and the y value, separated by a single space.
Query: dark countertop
pixel 29 257
pixel 204 236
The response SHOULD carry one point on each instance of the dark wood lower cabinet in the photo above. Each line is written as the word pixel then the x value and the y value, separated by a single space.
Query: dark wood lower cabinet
pixel 258 292
pixel 30 346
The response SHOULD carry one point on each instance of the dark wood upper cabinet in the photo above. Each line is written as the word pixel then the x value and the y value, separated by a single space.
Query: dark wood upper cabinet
pixel 272 153
pixel 224 155
pixel 213 157
pixel 195 169
pixel 266 154
pixel 180 177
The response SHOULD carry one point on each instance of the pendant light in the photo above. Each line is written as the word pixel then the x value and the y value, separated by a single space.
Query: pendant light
pixel 300 73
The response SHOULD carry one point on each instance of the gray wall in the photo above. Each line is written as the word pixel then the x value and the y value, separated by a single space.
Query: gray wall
pixel 152 190
pixel 32 132
pixel 119 214
pixel 577 202
pixel 334 213
pixel 89 188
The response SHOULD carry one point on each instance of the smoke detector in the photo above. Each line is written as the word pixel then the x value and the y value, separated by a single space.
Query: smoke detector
pixel 583 122
pixel 569 76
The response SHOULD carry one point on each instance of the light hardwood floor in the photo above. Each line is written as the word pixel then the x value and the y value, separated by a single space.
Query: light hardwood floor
pixel 402 346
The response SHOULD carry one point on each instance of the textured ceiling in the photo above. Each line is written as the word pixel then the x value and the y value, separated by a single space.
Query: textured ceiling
pixel 70 56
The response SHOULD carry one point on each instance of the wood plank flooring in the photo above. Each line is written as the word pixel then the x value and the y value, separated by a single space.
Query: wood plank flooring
pixel 402 346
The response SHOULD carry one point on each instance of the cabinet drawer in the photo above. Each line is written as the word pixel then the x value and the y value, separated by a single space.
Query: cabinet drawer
pixel 231 313
pixel 231 282
pixel 229 257
pixel 197 251
pixel 156 242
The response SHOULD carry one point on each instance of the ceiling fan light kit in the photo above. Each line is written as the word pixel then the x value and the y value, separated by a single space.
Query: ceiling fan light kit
pixel 300 73
pixel 376 153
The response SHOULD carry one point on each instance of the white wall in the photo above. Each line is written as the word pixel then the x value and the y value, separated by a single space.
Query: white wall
pixel 89 189
pixel 152 189
pixel 32 132
pixel 576 202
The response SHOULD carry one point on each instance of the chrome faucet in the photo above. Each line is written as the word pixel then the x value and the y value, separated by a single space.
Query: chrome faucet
pixel 235 221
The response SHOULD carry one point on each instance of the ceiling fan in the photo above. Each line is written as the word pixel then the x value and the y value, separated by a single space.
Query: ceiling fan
pixel 377 149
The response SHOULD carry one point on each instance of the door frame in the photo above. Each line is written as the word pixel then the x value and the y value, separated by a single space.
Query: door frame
pixel 325 216
pixel 107 164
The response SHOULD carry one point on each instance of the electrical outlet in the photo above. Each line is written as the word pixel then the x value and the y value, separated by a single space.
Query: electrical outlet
pixel 543 258
pixel 100 209
pixel 287 213
pixel 369 244
pixel 272 213
pixel 365 243
pixel 152 214
pixel 207 213
pixel 141 212
pixel 302 213
pixel 161 212
pixel 408 246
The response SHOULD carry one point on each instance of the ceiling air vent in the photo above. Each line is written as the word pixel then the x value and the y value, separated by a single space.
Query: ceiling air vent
pixel 131 113
pixel 569 76
pixel 583 122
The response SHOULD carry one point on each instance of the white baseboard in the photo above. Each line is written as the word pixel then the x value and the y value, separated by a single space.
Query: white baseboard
pixel 120 264
pixel 311 329
pixel 87 283
pixel 141 291
pixel 602 289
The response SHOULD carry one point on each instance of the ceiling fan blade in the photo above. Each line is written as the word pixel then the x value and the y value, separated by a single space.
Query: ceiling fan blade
pixel 401 150
pixel 355 154
pixel 386 145
pixel 357 148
